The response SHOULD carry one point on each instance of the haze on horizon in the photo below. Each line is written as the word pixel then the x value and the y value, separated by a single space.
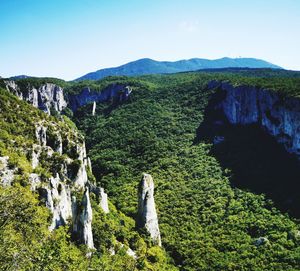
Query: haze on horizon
pixel 69 38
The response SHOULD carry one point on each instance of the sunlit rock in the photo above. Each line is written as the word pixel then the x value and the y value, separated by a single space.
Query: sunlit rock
pixel 147 216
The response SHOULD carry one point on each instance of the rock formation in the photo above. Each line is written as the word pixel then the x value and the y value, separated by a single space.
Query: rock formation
pixel 118 92
pixel 50 97
pixel 6 174
pixel 103 201
pixel 85 221
pixel 58 200
pixel 279 116
pixel 41 135
pixel 147 216
pixel 47 97
pixel 101 196
pixel 94 109
pixel 62 191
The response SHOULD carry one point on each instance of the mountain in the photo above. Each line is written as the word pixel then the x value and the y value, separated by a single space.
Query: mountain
pixel 150 66
pixel 22 76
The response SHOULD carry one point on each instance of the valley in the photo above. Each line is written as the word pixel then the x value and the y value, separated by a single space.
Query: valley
pixel 224 160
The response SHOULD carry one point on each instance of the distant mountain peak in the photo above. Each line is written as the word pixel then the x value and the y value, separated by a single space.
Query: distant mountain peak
pixel 149 66
pixel 22 76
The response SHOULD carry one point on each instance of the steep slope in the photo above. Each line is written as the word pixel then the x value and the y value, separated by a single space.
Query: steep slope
pixel 205 222
pixel 52 214
pixel 150 66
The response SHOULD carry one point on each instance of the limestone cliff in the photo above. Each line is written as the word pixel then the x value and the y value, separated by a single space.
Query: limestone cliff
pixel 50 97
pixel 279 116
pixel 66 191
pixel 147 216
pixel 118 92
pixel 47 97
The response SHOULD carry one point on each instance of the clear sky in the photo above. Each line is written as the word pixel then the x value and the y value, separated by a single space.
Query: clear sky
pixel 69 38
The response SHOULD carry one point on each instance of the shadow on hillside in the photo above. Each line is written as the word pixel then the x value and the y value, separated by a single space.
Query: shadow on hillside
pixel 257 162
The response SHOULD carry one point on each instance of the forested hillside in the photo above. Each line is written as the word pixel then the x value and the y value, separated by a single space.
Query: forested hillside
pixel 207 222
pixel 226 195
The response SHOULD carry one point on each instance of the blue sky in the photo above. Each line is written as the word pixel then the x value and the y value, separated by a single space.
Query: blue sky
pixel 68 38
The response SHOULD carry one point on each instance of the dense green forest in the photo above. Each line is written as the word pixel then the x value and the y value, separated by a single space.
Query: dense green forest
pixel 207 222
pixel 214 214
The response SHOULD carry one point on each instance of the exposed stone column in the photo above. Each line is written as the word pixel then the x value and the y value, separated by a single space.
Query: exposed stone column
pixel 103 201
pixel 86 221
pixel 94 108
pixel 40 133
pixel 147 216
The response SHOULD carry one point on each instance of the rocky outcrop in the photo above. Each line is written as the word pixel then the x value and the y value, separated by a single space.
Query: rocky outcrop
pixel 261 241
pixel 41 135
pixel 59 167
pixel 103 201
pixel 62 191
pixel 57 192
pixel 119 245
pixel 85 221
pixel 58 199
pixel 279 116
pixel 101 197
pixel 147 216
pixel 94 109
pixel 47 97
pixel 50 97
pixel 81 177
pixel 6 173
pixel 118 92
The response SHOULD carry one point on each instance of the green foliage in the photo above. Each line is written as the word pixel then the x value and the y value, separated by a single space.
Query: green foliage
pixel 206 224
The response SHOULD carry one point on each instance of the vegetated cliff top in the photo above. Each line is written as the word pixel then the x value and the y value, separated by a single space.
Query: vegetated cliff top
pixel 285 82
pixel 150 66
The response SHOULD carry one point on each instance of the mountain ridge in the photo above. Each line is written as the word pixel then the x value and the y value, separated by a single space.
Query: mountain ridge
pixel 145 66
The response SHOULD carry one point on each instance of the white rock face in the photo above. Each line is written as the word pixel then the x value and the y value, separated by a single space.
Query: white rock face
pixel 131 253
pixel 33 97
pixel 81 178
pixel 58 194
pixel 41 135
pixel 36 152
pixel 59 191
pixel 94 109
pixel 6 174
pixel 58 200
pixel 48 96
pixel 35 181
pixel 12 87
pixel 86 221
pixel 147 216
pixel 59 147
pixel 101 196
pixel 89 164
pixel 114 91
pixel 279 117
pixel 103 201
pixel 51 96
